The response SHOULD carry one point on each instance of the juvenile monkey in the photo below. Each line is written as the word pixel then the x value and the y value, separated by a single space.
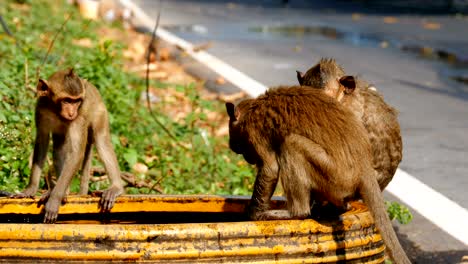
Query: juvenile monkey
pixel 380 120
pixel 71 109
pixel 315 146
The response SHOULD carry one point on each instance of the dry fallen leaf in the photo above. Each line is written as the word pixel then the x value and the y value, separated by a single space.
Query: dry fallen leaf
pixel 384 44
pixel 390 20
pixel 203 46
pixel 223 130
pixel 136 50
pixel 220 80
pixel 138 68
pixel 427 51
pixel 89 9
pixel 123 141
pixel 431 25
pixel 140 168
pixel 84 42
pixel 356 16
pixel 149 159
pixel 232 97
pixel 159 74
pixel 164 54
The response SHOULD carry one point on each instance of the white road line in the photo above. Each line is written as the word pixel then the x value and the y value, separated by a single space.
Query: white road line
pixel 441 211
pixel 253 88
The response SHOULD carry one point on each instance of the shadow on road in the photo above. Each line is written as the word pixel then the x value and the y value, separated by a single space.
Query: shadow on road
pixel 419 256
pixel 412 7
pixel 456 91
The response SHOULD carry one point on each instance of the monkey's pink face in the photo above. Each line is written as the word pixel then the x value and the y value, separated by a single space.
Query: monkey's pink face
pixel 69 108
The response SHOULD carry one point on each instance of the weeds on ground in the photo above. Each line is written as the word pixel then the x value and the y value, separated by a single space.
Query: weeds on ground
pixel 196 162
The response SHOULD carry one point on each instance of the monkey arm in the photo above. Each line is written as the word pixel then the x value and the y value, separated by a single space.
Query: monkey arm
pixel 53 201
pixel 106 152
pixel 265 184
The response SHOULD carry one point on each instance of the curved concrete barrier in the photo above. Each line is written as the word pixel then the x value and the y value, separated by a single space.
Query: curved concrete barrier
pixel 181 229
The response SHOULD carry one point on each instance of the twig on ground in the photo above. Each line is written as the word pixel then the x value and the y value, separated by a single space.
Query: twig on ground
pixel 127 177
pixel 26 76
pixel 38 70
pixel 203 46
pixel 5 27
pixel 153 50
pixel 157 182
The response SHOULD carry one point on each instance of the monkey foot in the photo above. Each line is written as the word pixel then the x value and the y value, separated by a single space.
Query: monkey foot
pixel 5 194
pixel 24 194
pixel 21 195
pixel 272 215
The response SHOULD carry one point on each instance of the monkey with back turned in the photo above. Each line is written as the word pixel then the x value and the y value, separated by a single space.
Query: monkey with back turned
pixel 71 110
pixel 380 119
pixel 315 146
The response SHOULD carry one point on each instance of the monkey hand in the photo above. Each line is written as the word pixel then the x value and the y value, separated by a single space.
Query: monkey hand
pixel 108 198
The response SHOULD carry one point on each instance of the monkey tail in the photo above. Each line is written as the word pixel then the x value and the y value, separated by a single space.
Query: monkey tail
pixel 372 196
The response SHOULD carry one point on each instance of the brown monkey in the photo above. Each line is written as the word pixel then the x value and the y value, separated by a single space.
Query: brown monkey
pixel 379 119
pixel 315 147
pixel 71 109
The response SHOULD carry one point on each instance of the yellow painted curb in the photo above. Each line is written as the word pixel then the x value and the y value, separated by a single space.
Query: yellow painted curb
pixel 181 229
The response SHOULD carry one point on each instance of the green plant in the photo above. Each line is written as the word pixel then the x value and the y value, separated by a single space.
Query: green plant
pixel 399 212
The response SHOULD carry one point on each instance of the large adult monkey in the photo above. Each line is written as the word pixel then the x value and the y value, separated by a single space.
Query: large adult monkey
pixel 316 147
pixel 380 119
pixel 71 110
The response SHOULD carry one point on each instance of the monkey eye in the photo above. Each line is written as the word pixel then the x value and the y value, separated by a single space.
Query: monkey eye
pixel 71 101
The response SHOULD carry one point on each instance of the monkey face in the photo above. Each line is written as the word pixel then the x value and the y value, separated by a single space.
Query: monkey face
pixel 65 91
pixel 69 108
pixel 237 142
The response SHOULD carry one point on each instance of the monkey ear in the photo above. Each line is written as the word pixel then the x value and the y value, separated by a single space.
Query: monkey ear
pixel 42 88
pixel 230 109
pixel 300 77
pixel 71 72
pixel 349 83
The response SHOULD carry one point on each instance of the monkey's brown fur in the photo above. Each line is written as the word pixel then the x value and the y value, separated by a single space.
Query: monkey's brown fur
pixel 315 146
pixel 72 110
pixel 379 118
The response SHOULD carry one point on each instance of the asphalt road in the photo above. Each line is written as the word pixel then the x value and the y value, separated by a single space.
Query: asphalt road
pixel 385 49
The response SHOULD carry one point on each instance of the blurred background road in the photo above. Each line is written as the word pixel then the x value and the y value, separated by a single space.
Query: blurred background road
pixel 414 52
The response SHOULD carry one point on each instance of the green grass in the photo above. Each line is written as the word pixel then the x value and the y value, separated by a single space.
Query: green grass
pixel 207 166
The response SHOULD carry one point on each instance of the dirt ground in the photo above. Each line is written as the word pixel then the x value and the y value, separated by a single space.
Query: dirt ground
pixel 164 68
